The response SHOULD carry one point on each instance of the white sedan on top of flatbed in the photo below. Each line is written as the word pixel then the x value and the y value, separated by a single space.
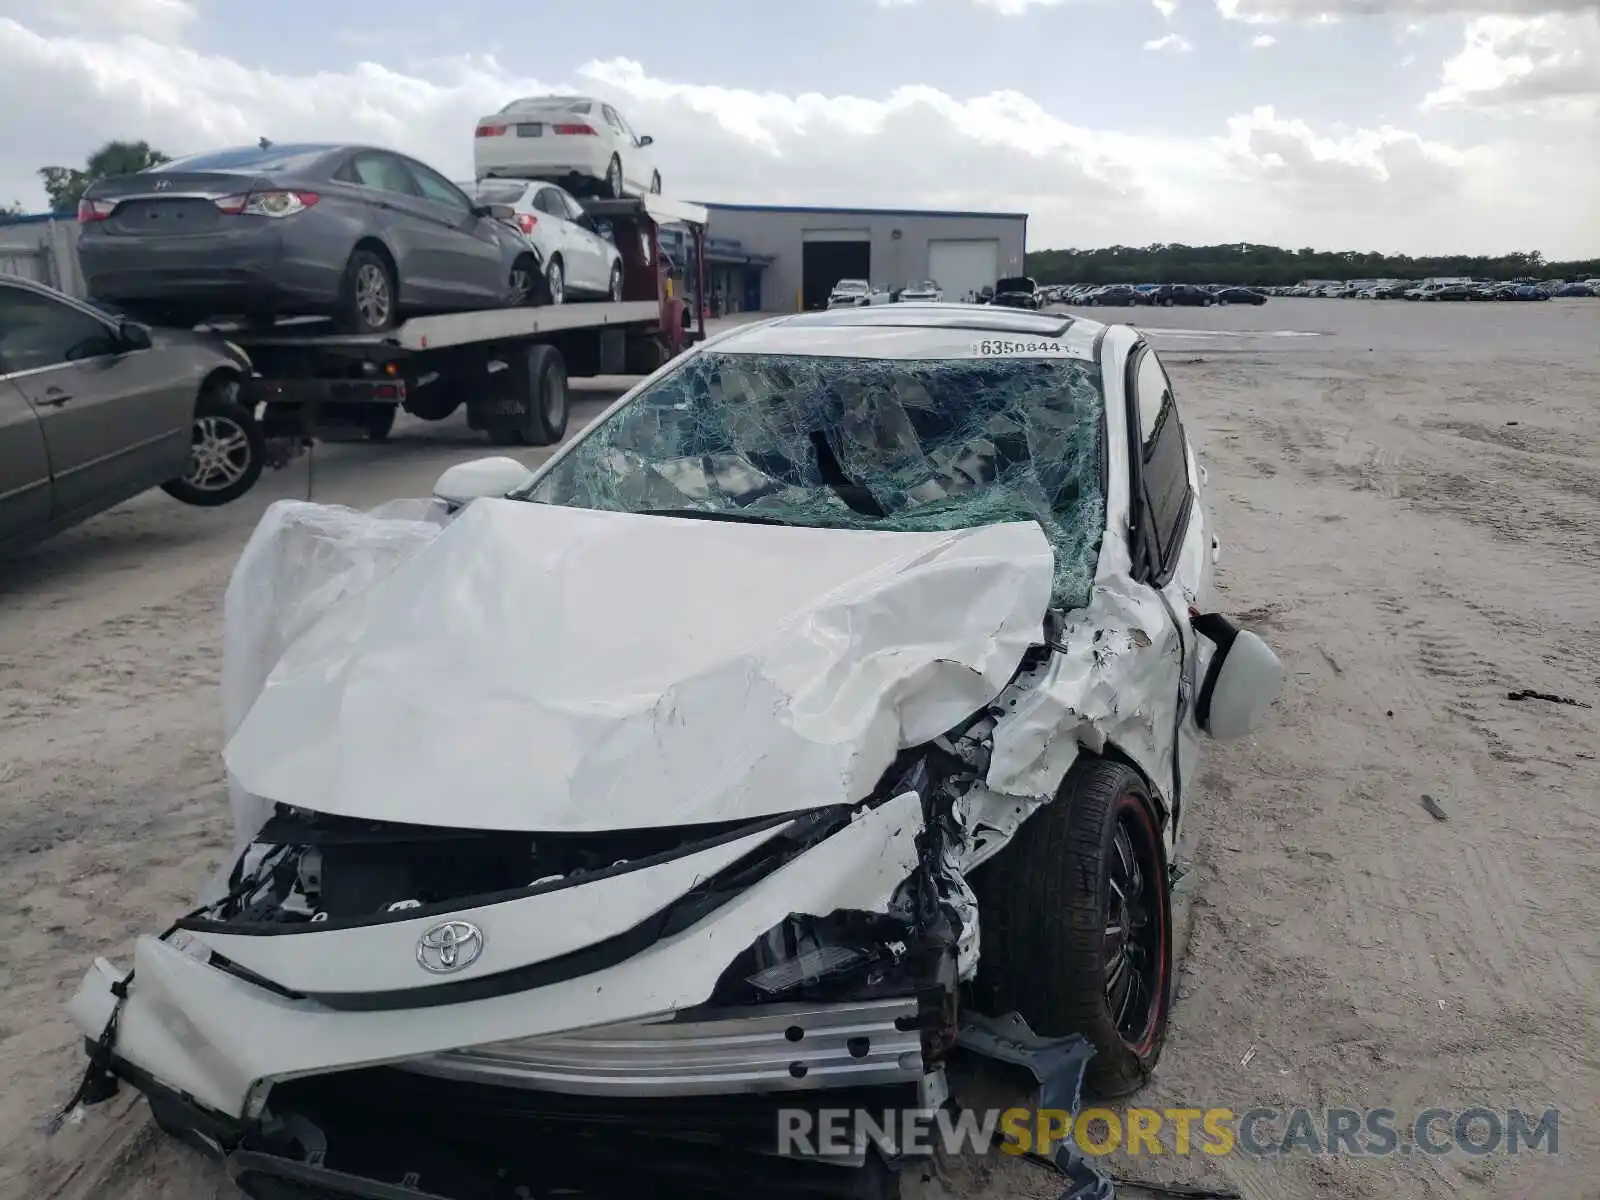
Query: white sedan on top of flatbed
pixel 580 142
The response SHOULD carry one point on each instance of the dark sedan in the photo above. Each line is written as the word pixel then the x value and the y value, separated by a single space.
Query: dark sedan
pixel 1238 295
pixel 1193 295
pixel 1016 292
pixel 360 234
pixel 95 409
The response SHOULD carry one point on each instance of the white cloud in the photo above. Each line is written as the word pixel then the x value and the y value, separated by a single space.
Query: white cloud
pixel 1263 178
pixel 1263 12
pixel 1262 41
pixel 1547 65
pixel 1172 43
pixel 1166 8
pixel 154 18
pixel 1015 8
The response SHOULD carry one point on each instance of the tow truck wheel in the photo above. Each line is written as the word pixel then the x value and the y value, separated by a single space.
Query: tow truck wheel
pixel 1076 924
pixel 229 450
pixel 380 421
pixel 541 379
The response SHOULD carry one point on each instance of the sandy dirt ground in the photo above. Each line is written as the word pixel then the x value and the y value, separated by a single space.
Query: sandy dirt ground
pixel 1409 503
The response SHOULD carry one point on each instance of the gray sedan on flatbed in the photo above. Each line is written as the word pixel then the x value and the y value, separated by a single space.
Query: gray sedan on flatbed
pixel 357 233
pixel 95 409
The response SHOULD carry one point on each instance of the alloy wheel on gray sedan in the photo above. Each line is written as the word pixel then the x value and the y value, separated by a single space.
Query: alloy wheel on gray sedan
pixel 373 300
pixel 221 454
pixel 521 285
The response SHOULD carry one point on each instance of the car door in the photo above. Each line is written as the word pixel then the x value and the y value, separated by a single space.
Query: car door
pixel 475 262
pixel 24 467
pixel 552 214
pixel 115 420
pixel 595 249
pixel 637 166
pixel 1173 550
pixel 414 239
pixel 622 142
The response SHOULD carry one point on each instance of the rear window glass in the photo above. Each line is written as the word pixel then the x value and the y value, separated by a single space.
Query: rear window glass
pixel 251 158
pixel 500 193
pixel 564 104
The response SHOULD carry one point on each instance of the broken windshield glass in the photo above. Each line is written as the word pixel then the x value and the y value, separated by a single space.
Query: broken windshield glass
pixel 852 443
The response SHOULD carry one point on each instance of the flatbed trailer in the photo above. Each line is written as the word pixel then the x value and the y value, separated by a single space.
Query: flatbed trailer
pixel 508 367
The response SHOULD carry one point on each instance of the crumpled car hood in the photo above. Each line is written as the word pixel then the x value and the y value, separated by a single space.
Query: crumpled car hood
pixel 570 670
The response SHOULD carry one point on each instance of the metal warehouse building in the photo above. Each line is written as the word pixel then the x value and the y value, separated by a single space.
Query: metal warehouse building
pixel 778 258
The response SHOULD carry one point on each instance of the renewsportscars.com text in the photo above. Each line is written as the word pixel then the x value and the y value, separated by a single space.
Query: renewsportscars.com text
pixel 1256 1132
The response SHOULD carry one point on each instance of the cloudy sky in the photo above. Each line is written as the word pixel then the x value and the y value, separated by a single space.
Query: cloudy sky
pixel 1411 125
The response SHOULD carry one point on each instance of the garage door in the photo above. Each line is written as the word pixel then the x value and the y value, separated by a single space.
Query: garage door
pixel 963 266
pixel 829 255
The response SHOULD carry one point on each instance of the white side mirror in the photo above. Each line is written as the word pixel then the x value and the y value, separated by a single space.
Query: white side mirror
pixel 481 478
pixel 1244 679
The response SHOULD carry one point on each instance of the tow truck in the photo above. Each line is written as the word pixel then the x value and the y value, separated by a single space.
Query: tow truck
pixel 507 366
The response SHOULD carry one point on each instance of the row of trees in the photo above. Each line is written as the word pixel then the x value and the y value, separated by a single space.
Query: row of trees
pixel 65 186
pixel 1243 263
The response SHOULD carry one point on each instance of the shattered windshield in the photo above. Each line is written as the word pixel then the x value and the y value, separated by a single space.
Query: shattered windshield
pixel 853 443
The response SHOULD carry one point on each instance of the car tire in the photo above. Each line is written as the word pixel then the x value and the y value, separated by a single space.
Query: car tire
pixel 614 285
pixel 229 449
pixel 368 294
pixel 380 422
pixel 555 281
pixel 1048 910
pixel 527 287
pixel 615 187
pixel 540 375
pixel 655 183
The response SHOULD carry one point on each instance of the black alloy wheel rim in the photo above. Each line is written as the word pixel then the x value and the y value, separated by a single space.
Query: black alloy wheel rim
pixel 1133 932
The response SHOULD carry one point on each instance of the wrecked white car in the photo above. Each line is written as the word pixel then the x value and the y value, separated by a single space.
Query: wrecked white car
pixel 848 675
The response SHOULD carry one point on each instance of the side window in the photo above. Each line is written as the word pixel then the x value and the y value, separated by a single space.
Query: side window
pixel 383 173
pixel 437 188
pixel 545 201
pixel 1153 392
pixel 570 208
pixel 1164 464
pixel 612 119
pixel 37 331
pixel 622 124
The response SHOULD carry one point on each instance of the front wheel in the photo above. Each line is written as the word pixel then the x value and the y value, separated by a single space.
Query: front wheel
pixel 1076 924
pixel 655 183
pixel 228 450
pixel 555 282
pixel 614 186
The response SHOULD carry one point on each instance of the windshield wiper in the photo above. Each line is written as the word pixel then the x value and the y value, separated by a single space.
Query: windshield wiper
pixel 705 514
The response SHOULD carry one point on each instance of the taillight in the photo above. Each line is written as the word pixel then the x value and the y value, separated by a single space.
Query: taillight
pixel 491 130
pixel 267 204
pixel 526 223
pixel 94 210
pixel 574 130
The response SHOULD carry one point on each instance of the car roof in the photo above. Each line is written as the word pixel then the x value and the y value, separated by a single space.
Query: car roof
pixel 911 331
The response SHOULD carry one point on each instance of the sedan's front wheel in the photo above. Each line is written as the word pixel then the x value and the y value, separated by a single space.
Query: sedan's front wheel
pixel 368 296
pixel 228 450
pixel 1076 924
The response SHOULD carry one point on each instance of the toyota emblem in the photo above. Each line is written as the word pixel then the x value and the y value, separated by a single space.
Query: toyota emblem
pixel 452 946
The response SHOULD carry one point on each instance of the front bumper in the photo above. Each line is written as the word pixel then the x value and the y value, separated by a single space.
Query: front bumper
pixel 227 1041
